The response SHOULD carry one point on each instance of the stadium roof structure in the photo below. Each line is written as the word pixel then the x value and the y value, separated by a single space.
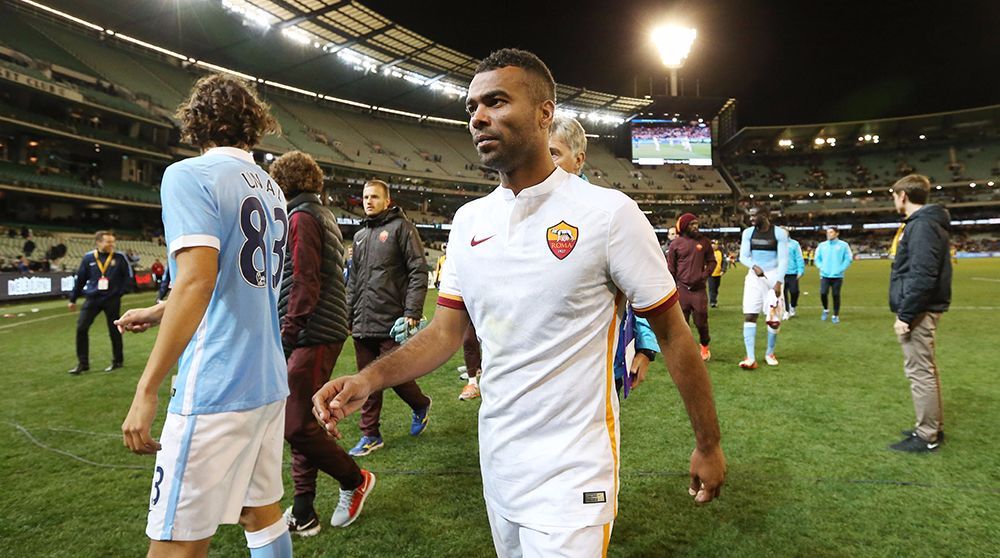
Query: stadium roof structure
pixel 338 48
pixel 969 123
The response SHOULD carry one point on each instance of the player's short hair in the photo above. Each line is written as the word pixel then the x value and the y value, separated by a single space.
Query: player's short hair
pixel 543 86
pixel 222 111
pixel 381 184
pixel 567 130
pixel 916 186
pixel 99 235
pixel 296 171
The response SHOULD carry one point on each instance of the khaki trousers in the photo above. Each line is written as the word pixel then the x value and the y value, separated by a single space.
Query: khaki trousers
pixel 922 371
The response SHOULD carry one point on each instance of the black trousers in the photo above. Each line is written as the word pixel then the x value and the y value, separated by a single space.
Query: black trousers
pixel 825 285
pixel 90 309
pixel 791 291
pixel 713 289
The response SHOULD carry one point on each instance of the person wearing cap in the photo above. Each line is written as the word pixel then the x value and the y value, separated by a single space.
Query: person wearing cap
pixel 691 261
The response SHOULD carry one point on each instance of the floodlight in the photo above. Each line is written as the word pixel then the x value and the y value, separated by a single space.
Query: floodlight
pixel 674 43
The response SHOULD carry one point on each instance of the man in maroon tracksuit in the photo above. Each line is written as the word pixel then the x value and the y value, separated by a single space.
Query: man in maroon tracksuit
pixel 691 261
pixel 313 312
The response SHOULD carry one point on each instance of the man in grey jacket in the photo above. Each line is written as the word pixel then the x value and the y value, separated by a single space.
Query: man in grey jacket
pixel 919 291
pixel 388 280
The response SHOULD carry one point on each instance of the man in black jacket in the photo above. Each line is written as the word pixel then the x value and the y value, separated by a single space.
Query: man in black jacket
pixel 919 291
pixel 388 281
pixel 313 311
pixel 103 277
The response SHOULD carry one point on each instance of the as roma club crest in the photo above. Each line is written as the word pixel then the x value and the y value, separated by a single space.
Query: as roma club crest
pixel 383 236
pixel 562 239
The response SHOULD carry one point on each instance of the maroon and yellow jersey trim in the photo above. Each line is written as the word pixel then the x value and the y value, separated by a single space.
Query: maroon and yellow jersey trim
pixel 451 301
pixel 660 307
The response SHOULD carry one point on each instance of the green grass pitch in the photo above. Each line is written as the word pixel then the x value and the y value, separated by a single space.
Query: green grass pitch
pixel 809 472
pixel 669 151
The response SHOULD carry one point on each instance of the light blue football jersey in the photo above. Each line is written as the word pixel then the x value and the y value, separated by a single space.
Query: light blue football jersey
pixel 234 361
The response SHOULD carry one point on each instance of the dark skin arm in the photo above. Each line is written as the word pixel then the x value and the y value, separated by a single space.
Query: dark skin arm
pixel 680 353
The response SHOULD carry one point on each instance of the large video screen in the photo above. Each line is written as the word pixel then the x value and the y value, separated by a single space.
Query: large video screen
pixel 658 142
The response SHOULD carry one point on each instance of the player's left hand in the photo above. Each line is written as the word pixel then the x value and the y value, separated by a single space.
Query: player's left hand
pixel 138 424
pixel 901 327
pixel 640 365
pixel 412 322
pixel 708 474
pixel 777 289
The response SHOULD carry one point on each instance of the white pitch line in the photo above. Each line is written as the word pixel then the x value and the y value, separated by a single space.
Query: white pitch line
pixel 991 280
pixel 8 326
pixel 61 315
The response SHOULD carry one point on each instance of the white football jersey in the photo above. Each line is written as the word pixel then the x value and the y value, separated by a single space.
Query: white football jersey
pixel 544 276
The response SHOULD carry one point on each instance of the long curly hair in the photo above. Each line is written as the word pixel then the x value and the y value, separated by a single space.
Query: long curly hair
pixel 224 111
pixel 296 171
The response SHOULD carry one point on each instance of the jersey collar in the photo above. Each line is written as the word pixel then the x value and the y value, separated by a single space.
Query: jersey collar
pixel 231 152
pixel 551 182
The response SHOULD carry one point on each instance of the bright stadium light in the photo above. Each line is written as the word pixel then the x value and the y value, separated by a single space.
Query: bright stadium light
pixel 674 44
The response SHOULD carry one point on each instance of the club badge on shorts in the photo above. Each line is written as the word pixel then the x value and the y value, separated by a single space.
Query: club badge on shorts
pixel 562 239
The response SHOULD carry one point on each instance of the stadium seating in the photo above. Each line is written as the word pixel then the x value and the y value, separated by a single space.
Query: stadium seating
pixel 865 167
pixel 33 177
pixel 332 135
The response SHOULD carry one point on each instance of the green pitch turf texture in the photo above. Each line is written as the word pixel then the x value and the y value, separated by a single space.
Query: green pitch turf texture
pixel 809 472
pixel 673 152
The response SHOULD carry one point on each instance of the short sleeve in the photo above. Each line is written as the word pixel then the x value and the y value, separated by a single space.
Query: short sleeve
pixel 190 211
pixel 637 265
pixel 450 292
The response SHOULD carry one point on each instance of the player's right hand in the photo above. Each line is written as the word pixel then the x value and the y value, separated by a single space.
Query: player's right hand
pixel 138 425
pixel 138 320
pixel 758 271
pixel 71 306
pixel 708 474
pixel 337 399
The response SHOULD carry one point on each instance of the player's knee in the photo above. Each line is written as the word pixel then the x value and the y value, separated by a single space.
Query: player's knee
pixel 256 518
pixel 750 318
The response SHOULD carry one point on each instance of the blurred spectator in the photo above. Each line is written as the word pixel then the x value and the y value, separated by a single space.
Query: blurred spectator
pixel 29 245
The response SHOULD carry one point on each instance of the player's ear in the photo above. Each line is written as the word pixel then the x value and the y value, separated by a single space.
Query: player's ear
pixel 547 112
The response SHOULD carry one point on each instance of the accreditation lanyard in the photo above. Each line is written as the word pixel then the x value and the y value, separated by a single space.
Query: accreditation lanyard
pixel 102 283
pixel 895 240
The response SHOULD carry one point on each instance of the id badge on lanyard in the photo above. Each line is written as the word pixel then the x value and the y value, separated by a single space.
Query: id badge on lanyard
pixel 102 283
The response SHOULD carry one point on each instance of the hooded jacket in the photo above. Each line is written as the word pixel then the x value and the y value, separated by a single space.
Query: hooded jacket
pixel 921 273
pixel 388 276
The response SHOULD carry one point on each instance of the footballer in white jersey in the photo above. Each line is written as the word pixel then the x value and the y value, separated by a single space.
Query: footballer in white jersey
pixel 543 266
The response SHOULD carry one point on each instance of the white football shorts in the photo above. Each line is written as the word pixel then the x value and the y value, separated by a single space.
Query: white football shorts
pixel 756 289
pixel 213 465
pixel 513 540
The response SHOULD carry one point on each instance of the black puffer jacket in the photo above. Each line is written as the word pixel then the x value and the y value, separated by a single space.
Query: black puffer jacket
pixel 921 273
pixel 388 276
pixel 327 322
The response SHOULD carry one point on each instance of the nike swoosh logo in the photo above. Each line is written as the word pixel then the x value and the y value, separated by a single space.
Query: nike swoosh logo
pixel 480 241
pixel 931 446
